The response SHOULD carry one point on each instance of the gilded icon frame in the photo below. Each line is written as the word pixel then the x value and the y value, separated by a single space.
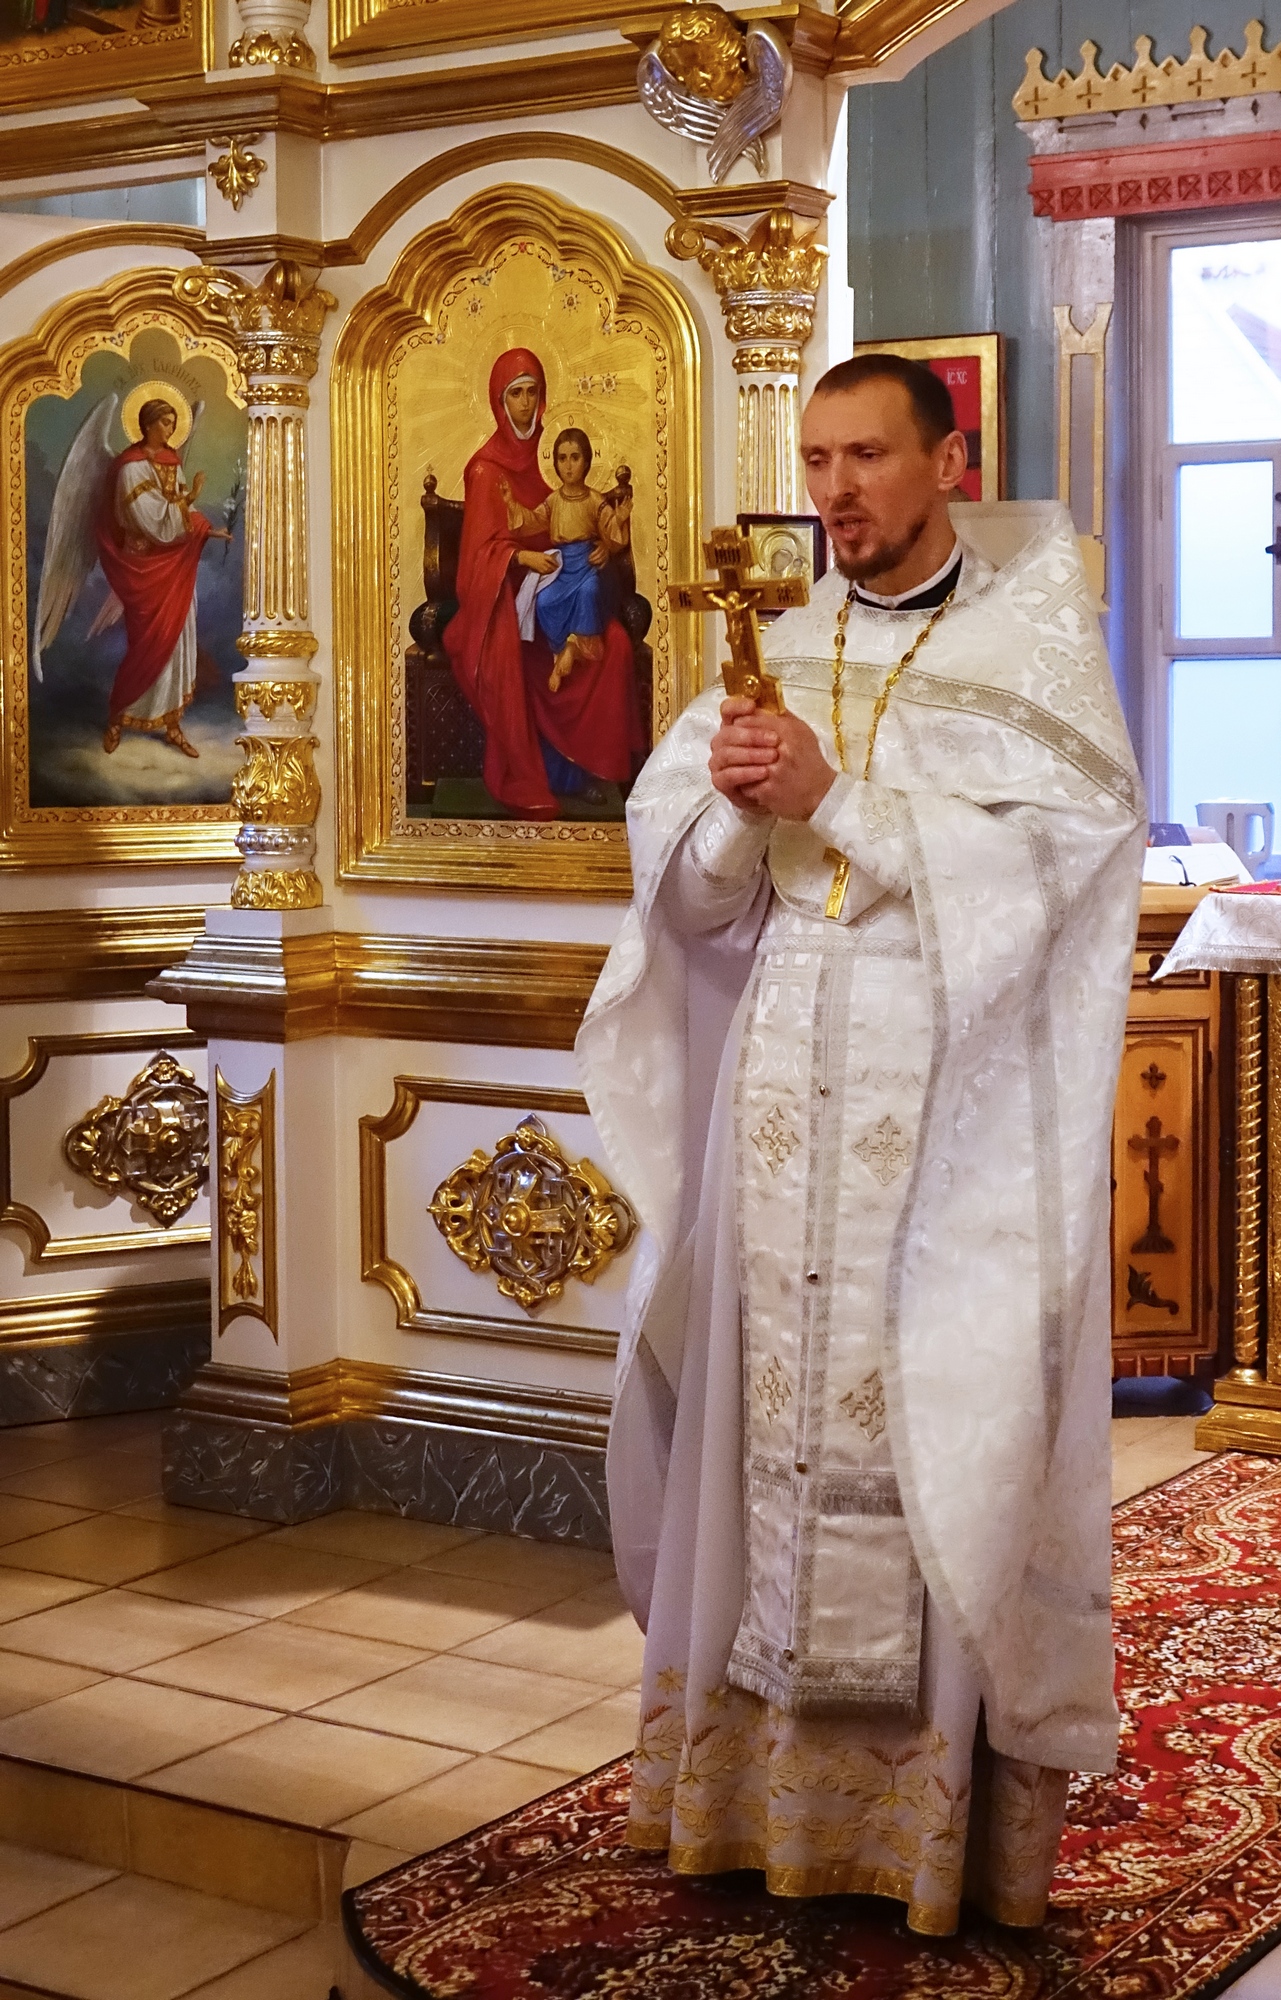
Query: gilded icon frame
pixel 989 350
pixel 50 361
pixel 376 837
pixel 174 46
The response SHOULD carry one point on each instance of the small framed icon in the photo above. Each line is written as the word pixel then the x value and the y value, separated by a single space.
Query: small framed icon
pixel 787 545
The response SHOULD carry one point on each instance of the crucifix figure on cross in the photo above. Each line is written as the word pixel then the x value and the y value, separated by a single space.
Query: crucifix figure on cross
pixel 741 594
pixel 1154 1146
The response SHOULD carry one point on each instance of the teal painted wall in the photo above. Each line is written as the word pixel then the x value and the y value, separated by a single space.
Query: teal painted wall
pixel 942 237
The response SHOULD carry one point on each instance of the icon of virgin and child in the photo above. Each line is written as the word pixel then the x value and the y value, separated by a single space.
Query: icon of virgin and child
pixel 537 645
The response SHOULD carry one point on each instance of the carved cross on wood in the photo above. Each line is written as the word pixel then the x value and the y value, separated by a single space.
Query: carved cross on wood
pixel 740 594
pixel 1152 1076
pixel 1156 1145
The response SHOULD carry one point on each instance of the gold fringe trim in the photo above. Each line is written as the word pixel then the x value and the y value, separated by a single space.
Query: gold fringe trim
pixel 834 1878
pixel 154 725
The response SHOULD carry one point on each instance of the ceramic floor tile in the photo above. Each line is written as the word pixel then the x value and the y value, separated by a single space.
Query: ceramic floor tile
pixel 117 1630
pixel 583 1741
pixel 21 1450
pixel 312 1773
pixel 231 1527
pixel 366 1858
pixel 283 1665
pixel 465 1704
pixel 111 1548
pixel 585 1641
pixel 124 1728
pixel 135 1939
pixel 31 1881
pixel 261 1578
pixel 25 1591
pixel 445 1807
pixel 416 1607
pixel 21 1518
pixel 532 1565
pixel 380 1538
pixel 25 1682
pixel 305 1970
pixel 100 1479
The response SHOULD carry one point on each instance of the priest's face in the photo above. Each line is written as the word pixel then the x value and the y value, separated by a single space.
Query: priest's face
pixel 880 488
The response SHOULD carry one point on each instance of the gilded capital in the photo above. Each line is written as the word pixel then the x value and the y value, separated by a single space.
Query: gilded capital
pixel 277 324
pixel 767 283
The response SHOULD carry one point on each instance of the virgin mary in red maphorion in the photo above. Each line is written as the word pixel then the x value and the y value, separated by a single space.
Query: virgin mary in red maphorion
pixel 555 720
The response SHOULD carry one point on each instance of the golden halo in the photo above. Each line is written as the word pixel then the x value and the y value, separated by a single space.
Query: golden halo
pixel 162 392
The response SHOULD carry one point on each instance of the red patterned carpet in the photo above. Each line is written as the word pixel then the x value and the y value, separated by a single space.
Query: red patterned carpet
pixel 1169 1881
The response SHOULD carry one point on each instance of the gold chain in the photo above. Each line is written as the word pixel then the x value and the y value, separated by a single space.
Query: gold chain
pixel 840 862
pixel 892 679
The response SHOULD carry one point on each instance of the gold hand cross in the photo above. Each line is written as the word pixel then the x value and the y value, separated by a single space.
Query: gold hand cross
pixel 740 594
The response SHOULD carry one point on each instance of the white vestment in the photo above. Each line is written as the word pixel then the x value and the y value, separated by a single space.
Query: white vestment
pixel 859 1464
pixel 142 510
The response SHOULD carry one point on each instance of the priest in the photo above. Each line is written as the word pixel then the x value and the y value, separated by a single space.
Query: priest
pixel 853 1057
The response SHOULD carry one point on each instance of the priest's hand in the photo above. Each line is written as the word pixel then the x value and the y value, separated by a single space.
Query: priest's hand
pixel 768 764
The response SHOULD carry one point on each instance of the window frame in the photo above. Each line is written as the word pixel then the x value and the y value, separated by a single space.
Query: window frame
pixel 1154 475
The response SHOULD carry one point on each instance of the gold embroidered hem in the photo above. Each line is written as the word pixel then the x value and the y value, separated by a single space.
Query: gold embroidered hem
pixel 852 1805
pixel 155 725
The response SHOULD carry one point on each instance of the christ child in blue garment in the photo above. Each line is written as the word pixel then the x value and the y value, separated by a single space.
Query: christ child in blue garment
pixel 574 606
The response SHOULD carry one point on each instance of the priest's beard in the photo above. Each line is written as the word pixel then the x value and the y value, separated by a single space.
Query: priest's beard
pixel 883 557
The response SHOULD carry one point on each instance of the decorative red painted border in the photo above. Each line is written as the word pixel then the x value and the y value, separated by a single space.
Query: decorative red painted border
pixel 1157 180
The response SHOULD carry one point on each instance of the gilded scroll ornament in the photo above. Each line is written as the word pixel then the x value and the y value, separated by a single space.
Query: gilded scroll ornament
pixel 150 1146
pixel 294 52
pixel 723 89
pixel 1201 79
pixel 245 1128
pixel 268 696
pixel 237 172
pixel 276 889
pixel 530 1217
pixel 278 786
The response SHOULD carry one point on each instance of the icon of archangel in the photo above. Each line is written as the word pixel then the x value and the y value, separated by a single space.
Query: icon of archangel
pixel 134 604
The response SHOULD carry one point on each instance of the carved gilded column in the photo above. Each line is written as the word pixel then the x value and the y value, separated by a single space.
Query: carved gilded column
pixel 273 35
pixel 277 327
pixel 768 286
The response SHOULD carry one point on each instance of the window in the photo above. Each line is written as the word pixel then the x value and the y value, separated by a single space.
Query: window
pixel 1209 383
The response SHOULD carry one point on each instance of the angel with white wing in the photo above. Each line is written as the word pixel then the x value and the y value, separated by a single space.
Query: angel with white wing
pixel 133 514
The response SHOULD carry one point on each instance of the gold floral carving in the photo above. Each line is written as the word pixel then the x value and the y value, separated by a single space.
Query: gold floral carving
pixel 245 1129
pixel 278 786
pixel 268 696
pixel 530 1217
pixel 1201 79
pixel 276 889
pixel 151 1145
pixel 767 360
pixel 295 52
pixel 237 172
pixel 284 316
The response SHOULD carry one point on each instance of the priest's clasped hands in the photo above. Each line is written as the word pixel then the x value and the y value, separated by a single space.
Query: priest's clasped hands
pixel 768 764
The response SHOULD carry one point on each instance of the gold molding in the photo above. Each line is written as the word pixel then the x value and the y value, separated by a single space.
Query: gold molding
pixel 344 1389
pixel 172 45
pixel 502 992
pixel 141 236
pixel 50 361
pixel 92 954
pixel 116 1312
pixel 41 1051
pixel 872 31
pixel 245 1163
pixel 1247 1325
pixel 378 1267
pixel 376 839
pixel 1201 79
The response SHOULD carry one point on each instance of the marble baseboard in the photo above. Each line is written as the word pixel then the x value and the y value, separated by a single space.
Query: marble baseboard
pixel 266 1471
pixel 42 1380
pixel 426 1472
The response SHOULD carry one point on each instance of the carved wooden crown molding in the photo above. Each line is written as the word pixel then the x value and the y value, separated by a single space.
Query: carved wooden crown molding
pixel 1199 80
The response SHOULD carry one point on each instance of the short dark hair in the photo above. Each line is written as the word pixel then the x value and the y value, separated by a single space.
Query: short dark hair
pixel 151 413
pixel 931 398
pixel 581 439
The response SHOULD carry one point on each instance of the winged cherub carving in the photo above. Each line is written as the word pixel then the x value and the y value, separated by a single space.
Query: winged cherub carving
pixel 705 80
